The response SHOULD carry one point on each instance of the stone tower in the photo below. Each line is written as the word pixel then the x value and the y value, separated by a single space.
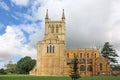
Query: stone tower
pixel 50 51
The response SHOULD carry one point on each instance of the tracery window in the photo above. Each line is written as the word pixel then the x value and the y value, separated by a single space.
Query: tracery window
pixel 89 68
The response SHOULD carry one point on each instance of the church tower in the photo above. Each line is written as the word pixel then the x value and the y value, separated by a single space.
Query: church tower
pixel 50 51
pixel 56 28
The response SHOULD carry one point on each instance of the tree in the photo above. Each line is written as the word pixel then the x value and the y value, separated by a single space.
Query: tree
pixel 11 68
pixel 109 53
pixel 115 67
pixel 74 75
pixel 24 65
pixel 2 71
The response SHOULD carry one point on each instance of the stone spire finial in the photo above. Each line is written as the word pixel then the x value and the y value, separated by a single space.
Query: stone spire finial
pixel 47 14
pixel 63 15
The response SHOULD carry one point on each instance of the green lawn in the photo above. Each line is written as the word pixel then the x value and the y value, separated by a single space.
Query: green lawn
pixel 27 77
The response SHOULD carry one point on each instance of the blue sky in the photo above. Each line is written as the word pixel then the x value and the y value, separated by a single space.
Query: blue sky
pixel 17 25
pixel 89 23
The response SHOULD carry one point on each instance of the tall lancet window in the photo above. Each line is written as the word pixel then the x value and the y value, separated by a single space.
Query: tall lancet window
pixel 50 48
pixel 57 30
pixel 52 29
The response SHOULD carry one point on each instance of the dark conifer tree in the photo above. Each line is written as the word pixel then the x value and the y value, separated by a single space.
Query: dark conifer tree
pixel 74 65
pixel 109 53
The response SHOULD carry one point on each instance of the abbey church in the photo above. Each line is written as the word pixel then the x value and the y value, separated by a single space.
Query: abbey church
pixel 53 58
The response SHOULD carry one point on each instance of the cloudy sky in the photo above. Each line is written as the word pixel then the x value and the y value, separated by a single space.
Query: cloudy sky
pixel 89 23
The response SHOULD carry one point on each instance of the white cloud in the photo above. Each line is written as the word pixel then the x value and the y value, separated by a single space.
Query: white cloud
pixel 4 6
pixel 21 2
pixel 12 44
pixel 35 31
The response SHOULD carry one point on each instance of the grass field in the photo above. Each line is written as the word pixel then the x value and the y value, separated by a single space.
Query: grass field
pixel 27 77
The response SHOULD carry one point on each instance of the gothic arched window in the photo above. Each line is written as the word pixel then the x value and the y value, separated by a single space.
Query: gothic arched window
pixel 82 68
pixel 89 68
pixel 50 48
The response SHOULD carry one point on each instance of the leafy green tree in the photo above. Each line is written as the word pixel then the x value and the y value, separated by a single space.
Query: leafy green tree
pixel 11 68
pixel 24 65
pixel 109 53
pixel 115 67
pixel 2 71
